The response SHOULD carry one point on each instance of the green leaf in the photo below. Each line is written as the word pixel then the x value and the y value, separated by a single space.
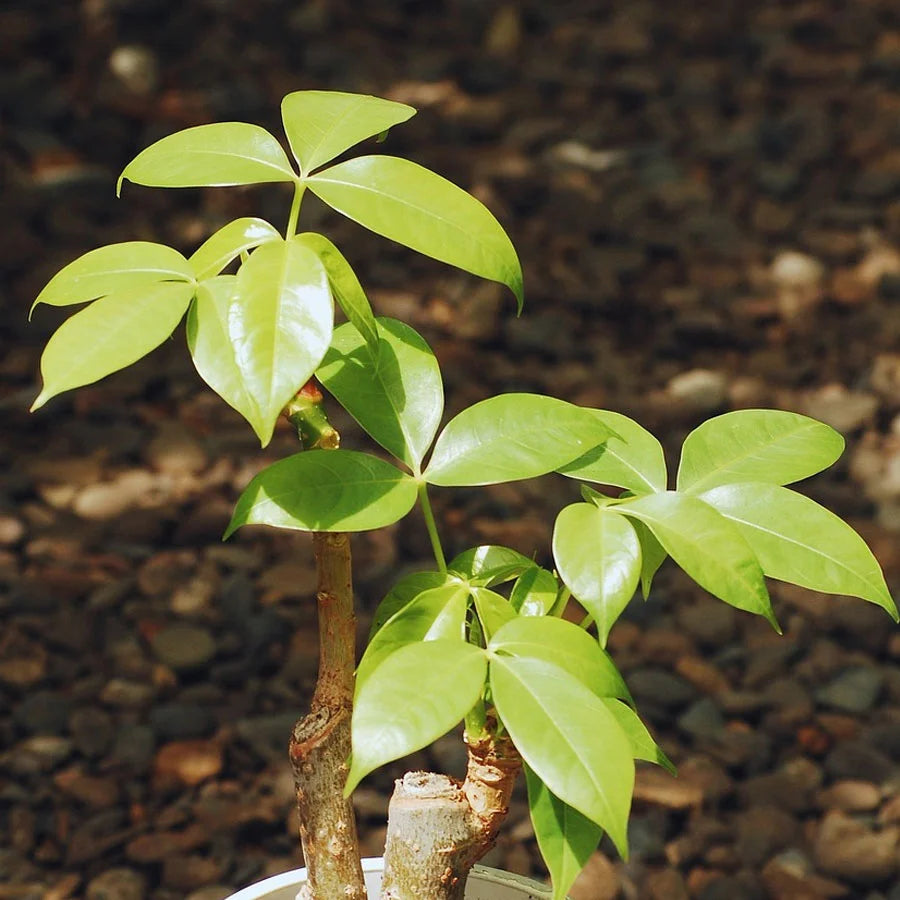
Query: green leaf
pixel 756 445
pixel 217 155
pixel 213 352
pixel 405 591
pixel 407 203
pixel 565 645
pixel 707 546
pixel 279 324
pixel 325 490
pixel 535 592
pixel 642 744
pixel 568 736
pixel 437 613
pixel 111 334
pixel 797 540
pixel 564 836
pixel 413 697
pixel 490 564
pixel 598 556
pixel 653 555
pixel 321 125
pixel 399 399
pixel 346 288
pixel 511 437
pixel 112 270
pixel 632 458
pixel 494 610
pixel 228 243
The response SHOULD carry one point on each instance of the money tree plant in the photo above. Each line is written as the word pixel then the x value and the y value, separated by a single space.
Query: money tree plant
pixel 495 639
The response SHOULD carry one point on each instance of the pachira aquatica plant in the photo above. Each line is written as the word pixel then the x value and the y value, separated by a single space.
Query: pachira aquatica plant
pixel 492 638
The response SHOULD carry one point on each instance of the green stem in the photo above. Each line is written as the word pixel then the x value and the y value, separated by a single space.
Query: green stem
pixel 291 230
pixel 436 547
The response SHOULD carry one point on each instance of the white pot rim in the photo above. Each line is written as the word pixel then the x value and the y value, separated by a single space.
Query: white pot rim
pixel 296 877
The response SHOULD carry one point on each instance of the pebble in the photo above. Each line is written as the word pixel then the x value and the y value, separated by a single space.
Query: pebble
pixel 134 747
pixel 853 691
pixel 189 762
pixel 178 721
pixel 183 647
pixel 92 730
pixel 598 880
pixel 702 719
pixel 846 849
pixel 698 390
pixel 711 623
pixel 660 688
pixel 798 279
pixel 850 795
pixel 109 499
pixel 117 884
pixel 857 760
pixel 126 693
pixel 43 712
pixel 212 892
pixel 843 409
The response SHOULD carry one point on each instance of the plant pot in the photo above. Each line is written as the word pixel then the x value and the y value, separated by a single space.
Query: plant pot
pixel 483 884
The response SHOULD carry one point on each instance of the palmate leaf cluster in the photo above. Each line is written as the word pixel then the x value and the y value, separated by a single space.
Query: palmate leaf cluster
pixel 481 639
pixel 256 337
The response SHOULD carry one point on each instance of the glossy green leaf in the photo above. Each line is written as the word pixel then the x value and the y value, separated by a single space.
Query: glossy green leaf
pixel 399 399
pixel 535 592
pixel 510 437
pixel 568 736
pixel 565 645
pixel 494 610
pixel 632 458
pixel 598 556
pixel 407 203
pixel 653 555
pixel 111 334
pixel 346 288
pixel 756 445
pixel 405 591
pixel 212 351
pixel 228 243
pixel 279 324
pixel 564 836
pixel 707 546
pixel 112 270
pixel 642 744
pixel 321 125
pixel 413 697
pixel 437 613
pixel 325 490
pixel 217 155
pixel 490 564
pixel 797 540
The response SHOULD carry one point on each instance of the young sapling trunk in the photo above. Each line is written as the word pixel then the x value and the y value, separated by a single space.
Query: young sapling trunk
pixel 320 741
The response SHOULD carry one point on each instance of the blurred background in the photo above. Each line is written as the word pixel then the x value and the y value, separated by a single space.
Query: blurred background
pixel 706 201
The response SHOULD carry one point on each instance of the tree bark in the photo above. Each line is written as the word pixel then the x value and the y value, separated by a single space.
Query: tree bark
pixel 438 828
pixel 320 742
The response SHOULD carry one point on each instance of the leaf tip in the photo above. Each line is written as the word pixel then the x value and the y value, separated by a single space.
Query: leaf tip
pixel 40 400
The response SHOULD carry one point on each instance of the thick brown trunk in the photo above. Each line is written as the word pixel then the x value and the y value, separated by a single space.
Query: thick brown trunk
pixel 320 742
pixel 438 828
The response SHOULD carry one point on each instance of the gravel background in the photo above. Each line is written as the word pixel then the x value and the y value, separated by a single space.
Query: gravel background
pixel 706 200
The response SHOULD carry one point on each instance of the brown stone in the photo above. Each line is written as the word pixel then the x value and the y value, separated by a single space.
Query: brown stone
pixel 656 786
pixel 189 762
pixel 846 849
pixel 598 880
